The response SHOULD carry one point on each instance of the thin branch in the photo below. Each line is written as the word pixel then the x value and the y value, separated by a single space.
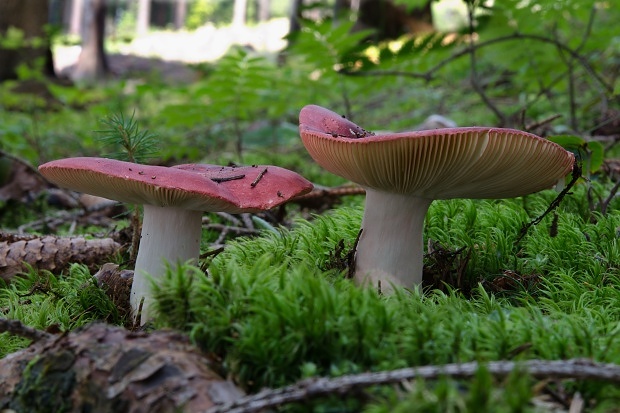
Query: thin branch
pixel 431 73
pixel 581 369
pixel 544 90
pixel 555 203
pixel 532 126
pixel 228 178
pixel 572 104
pixel 231 228
pixel 258 178
pixel 612 193
pixel 17 328
pixel 475 83
pixel 426 76
pixel 588 31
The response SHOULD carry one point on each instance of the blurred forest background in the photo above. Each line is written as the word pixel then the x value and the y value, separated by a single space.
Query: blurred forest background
pixel 215 76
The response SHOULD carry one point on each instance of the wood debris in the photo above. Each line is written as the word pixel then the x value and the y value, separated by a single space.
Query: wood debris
pixel 342 386
pixel 116 283
pixel 103 368
pixel 322 198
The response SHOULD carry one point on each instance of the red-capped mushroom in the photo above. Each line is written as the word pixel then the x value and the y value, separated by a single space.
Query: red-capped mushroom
pixel 404 172
pixel 174 199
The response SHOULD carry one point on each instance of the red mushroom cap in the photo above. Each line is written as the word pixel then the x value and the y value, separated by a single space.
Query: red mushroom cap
pixel 473 162
pixel 195 187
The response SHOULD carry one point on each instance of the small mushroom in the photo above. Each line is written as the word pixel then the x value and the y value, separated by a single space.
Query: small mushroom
pixel 404 172
pixel 174 199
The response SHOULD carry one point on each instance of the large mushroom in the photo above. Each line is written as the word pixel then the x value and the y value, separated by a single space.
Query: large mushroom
pixel 174 199
pixel 404 172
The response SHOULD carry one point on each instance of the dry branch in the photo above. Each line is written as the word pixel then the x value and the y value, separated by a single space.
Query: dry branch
pixel 322 197
pixel 17 328
pixel 308 389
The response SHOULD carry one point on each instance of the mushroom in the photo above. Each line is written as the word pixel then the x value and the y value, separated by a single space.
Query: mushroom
pixel 404 172
pixel 173 199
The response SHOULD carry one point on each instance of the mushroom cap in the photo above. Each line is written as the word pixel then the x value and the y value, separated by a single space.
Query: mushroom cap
pixel 195 187
pixel 470 162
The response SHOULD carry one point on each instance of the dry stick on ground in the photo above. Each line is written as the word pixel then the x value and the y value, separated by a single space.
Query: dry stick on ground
pixel 324 191
pixel 17 328
pixel 581 369
pixel 58 218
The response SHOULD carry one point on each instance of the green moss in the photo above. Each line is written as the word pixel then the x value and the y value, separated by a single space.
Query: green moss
pixel 41 299
pixel 273 316
pixel 47 384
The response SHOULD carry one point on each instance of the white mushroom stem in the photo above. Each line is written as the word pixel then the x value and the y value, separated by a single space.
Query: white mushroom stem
pixel 169 236
pixel 390 248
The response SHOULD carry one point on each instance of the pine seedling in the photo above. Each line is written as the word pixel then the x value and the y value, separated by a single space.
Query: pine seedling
pixel 135 146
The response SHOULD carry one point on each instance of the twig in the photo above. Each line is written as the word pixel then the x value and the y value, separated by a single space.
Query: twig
pixel 530 127
pixel 28 165
pixel 211 253
pixel 572 104
pixel 320 191
pixel 246 217
pixel 475 81
pixel 258 178
pixel 555 203
pixel 228 178
pixel 351 255
pixel 234 229
pixel 18 328
pixel 229 217
pixel 612 193
pixel 222 237
pixel 430 74
pixel 305 390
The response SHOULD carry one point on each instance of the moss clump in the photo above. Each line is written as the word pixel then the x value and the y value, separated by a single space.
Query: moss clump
pixel 271 316
pixel 47 384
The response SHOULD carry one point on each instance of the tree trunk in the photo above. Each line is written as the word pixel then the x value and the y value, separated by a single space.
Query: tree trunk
pixel 102 368
pixel 263 10
pixel 239 12
pixel 180 13
pixel 29 16
pixel 391 19
pixel 75 17
pixel 144 17
pixel 92 63
pixel 295 16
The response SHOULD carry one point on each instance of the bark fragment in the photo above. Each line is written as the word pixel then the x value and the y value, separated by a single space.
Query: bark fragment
pixel 103 368
pixel 50 253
